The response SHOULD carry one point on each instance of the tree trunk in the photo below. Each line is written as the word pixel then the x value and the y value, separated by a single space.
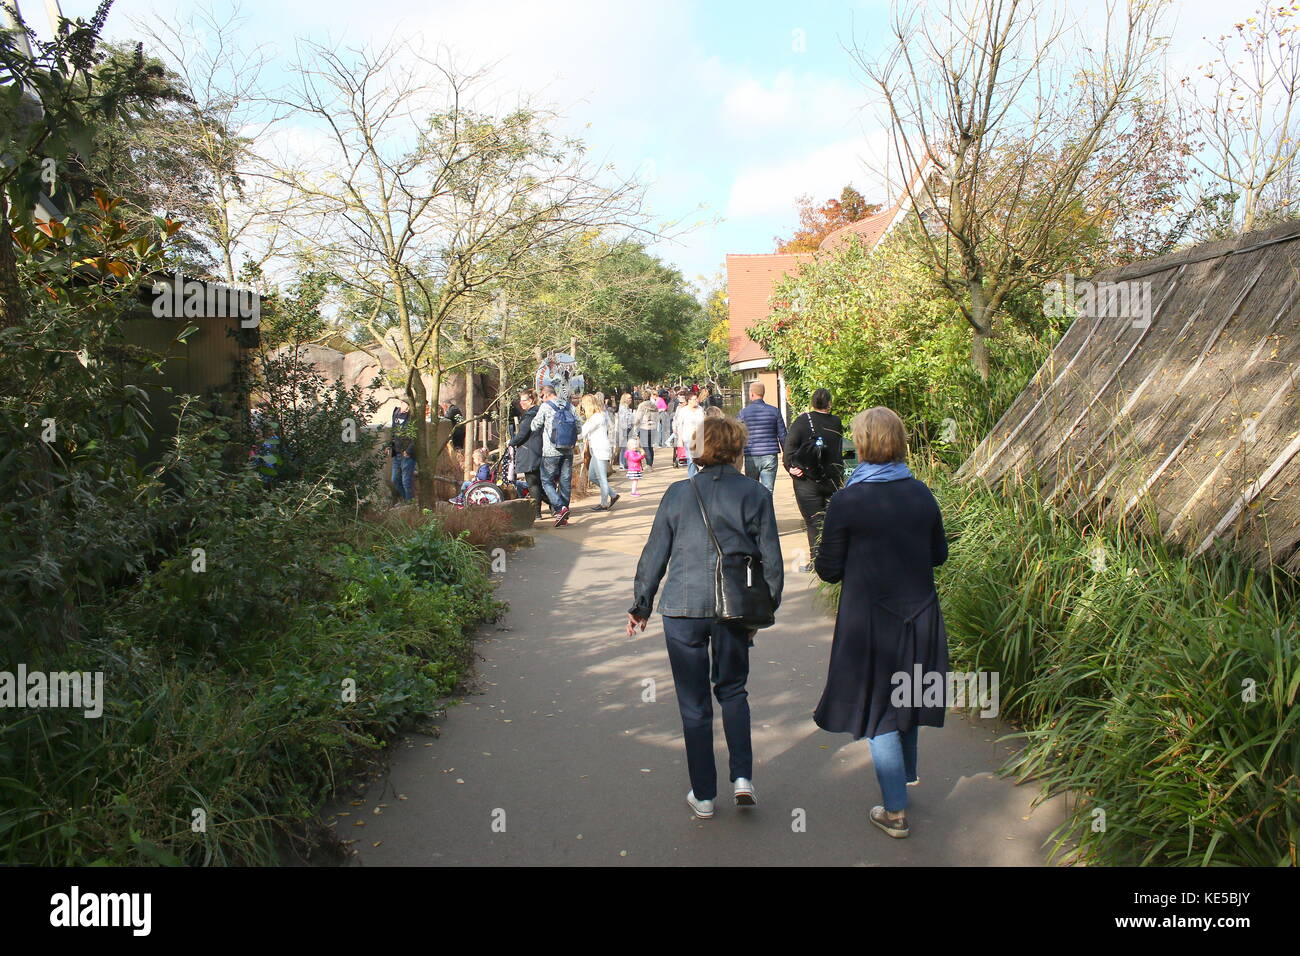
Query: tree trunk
pixel 426 445
pixel 980 328
pixel 505 404
pixel 11 305
pixel 471 426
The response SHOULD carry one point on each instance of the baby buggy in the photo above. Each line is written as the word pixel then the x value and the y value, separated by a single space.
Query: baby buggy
pixel 679 454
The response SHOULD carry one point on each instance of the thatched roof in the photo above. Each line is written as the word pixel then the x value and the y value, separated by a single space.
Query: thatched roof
pixel 1191 421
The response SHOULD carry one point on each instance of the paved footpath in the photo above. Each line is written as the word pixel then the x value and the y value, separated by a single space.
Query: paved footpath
pixel 559 758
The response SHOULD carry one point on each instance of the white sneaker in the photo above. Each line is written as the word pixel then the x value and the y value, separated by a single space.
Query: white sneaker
pixel 701 808
pixel 745 796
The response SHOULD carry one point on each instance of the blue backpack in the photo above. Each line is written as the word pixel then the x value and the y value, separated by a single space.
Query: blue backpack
pixel 564 428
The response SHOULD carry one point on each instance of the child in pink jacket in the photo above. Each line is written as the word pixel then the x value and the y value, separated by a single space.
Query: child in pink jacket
pixel 633 459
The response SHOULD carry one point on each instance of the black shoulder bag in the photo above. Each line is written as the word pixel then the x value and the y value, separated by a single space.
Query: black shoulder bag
pixel 740 592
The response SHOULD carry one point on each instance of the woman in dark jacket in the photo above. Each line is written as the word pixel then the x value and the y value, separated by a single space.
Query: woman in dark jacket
pixel 882 538
pixel 816 470
pixel 528 450
pixel 740 511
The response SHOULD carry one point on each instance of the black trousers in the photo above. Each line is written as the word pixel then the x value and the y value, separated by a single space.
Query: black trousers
pixel 648 446
pixel 689 641
pixel 534 479
pixel 811 497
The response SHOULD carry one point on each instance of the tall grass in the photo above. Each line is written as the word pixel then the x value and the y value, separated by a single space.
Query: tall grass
pixel 1131 669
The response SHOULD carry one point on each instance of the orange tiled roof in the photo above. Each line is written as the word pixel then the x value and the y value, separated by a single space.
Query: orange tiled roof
pixel 750 281
pixel 872 229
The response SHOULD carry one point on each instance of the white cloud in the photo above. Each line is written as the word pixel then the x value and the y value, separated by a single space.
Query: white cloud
pixel 770 189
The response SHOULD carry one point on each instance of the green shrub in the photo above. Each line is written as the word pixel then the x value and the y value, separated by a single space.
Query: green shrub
pixel 256 737
pixel 876 329
pixel 1129 666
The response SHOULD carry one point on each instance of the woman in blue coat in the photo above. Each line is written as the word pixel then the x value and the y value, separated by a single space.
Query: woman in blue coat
pixel 882 538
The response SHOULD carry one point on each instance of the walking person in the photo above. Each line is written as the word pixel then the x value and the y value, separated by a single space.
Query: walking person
pixel 610 411
pixel 401 448
pixel 685 425
pixel 559 428
pixel 742 522
pixel 528 450
pixel 665 418
pixel 814 452
pixel 882 539
pixel 626 423
pixel 766 437
pixel 645 425
pixel 633 460
pixel 595 432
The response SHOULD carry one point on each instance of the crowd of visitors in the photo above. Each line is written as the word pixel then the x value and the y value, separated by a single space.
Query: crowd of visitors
pixel 713 556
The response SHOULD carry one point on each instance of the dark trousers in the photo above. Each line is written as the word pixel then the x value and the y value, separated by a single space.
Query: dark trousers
pixel 811 497
pixel 534 479
pixel 648 446
pixel 689 641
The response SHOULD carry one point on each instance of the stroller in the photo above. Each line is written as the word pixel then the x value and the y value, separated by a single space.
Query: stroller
pixel 679 455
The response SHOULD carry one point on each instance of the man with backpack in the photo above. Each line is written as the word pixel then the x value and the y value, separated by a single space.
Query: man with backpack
pixel 559 427
pixel 814 456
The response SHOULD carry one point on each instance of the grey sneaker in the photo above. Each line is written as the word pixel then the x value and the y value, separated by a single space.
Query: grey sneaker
pixel 896 828
pixel 745 796
pixel 701 808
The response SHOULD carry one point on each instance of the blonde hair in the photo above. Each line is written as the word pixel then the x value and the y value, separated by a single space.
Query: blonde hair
pixel 626 399
pixel 590 405
pixel 879 436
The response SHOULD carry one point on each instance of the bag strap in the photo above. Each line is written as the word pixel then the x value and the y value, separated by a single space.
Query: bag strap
pixel 705 515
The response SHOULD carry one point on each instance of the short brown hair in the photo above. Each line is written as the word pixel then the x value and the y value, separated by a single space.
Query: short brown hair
pixel 529 394
pixel 879 436
pixel 721 441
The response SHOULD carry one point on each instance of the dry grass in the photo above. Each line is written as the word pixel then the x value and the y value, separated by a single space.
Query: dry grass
pixel 486 526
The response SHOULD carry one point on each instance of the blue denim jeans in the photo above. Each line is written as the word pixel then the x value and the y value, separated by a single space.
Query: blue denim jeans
pixel 690 462
pixel 557 478
pixel 596 473
pixel 665 428
pixel 762 468
pixel 403 476
pixel 689 641
pixel 894 757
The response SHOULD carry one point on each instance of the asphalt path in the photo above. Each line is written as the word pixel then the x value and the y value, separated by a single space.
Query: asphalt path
pixel 568 749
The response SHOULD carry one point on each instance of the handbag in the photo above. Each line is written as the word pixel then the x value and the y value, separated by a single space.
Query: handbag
pixel 740 592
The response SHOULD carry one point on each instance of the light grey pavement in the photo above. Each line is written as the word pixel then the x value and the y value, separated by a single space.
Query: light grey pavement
pixel 559 759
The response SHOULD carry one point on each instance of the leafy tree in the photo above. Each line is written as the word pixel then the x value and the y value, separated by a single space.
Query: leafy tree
pixel 876 328
pixel 818 222
pixel 713 362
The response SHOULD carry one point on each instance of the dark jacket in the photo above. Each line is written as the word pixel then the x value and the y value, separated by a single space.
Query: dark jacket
pixel 882 540
pixel 766 428
pixel 401 442
pixel 457 417
pixel 528 456
pixel 831 429
pixel 744 522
